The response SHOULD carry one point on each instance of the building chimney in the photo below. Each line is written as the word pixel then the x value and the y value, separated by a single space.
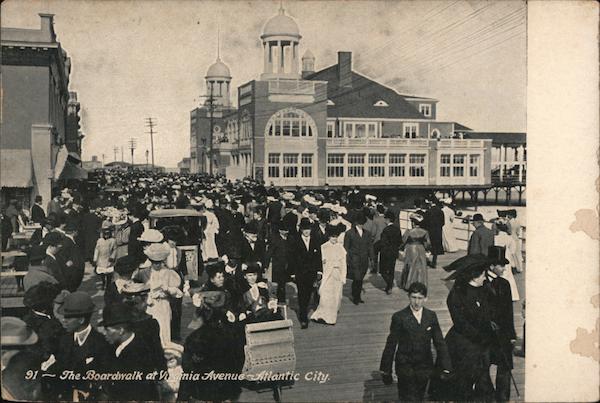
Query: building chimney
pixel 48 25
pixel 345 69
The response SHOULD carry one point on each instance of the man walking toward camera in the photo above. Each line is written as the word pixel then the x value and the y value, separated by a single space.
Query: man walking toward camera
pixel 409 345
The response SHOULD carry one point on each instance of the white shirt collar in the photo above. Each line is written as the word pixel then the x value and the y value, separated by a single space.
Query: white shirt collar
pixel 417 314
pixel 122 346
pixel 492 274
pixel 41 314
pixel 359 230
pixel 51 255
pixel 81 336
pixel 70 237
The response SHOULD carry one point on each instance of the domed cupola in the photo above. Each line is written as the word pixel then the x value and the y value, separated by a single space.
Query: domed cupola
pixel 281 38
pixel 218 80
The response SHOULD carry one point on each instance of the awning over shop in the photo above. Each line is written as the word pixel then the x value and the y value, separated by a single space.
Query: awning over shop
pixel 72 171
pixel 15 168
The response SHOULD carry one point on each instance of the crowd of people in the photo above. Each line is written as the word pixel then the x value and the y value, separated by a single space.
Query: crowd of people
pixel 253 241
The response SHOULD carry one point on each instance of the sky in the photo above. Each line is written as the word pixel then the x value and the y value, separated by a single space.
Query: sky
pixel 135 59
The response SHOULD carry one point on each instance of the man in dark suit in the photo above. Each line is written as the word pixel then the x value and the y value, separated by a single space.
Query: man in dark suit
pixel 305 263
pixel 389 249
pixel 503 321
pixel 278 254
pixel 131 354
pixel 134 246
pixel 290 219
pixel 433 223
pixel 323 216
pixel 409 345
pixel 81 349
pixel 72 258
pixel 358 243
pixel 52 269
pixel 253 249
pixel 481 239
pixel 37 211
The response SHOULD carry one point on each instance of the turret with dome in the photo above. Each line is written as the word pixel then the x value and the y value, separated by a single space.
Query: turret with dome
pixel 281 37
pixel 218 81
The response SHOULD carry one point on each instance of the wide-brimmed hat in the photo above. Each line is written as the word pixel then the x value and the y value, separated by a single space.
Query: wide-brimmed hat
pixel 416 217
pixel 117 314
pixel 133 288
pixel 251 227
pixel 14 332
pixel 157 252
pixel 107 225
pixel 60 298
pixel 173 349
pixel 332 230
pixel 287 196
pixel 463 267
pixel 152 236
pixel 77 304
pixel 497 255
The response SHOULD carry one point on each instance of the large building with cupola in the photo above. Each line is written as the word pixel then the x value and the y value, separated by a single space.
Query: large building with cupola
pixel 294 125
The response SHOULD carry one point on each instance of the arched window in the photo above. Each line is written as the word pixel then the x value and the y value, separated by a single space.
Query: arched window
pixel 291 122
pixel 435 134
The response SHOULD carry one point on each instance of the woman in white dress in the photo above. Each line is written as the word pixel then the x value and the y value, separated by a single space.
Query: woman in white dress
pixel 448 236
pixel 209 249
pixel 164 284
pixel 514 230
pixel 333 280
pixel 503 239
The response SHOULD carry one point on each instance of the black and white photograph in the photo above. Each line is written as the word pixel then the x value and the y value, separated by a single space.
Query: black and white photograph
pixel 264 200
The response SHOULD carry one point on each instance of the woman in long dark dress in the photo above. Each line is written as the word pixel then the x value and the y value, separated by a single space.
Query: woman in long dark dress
pixel 416 242
pixel 470 337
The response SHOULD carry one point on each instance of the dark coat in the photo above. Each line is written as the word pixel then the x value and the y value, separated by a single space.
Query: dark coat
pixel 258 254
pixel 389 246
pixel 481 239
pixel 359 250
pixel 37 214
pixel 306 262
pixel 409 343
pixel 274 209
pixel 211 347
pixel 90 232
pixel 74 271
pixel 290 221
pixel 469 341
pixel 433 223
pixel 278 254
pixel 136 356
pixel 134 247
pixel 49 331
pixel 318 234
pixel 92 355
pixel 502 315
pixel 112 295
pixel 148 330
pixel 47 272
pixel 15 386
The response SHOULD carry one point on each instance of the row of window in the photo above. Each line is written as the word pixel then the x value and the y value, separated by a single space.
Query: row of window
pixel 290 165
pixel 361 130
pixel 291 123
pixel 353 165
pixel 457 164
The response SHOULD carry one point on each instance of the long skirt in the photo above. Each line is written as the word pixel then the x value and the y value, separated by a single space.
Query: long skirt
pixel 161 311
pixel 508 275
pixel 449 238
pixel 415 266
pixel 330 298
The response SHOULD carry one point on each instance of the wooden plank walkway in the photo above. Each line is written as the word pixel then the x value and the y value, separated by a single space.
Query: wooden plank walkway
pixel 349 352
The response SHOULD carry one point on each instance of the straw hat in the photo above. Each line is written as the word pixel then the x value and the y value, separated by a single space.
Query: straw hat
pixel 157 252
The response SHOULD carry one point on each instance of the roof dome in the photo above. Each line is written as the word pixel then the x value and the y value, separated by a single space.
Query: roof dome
pixel 218 69
pixel 281 25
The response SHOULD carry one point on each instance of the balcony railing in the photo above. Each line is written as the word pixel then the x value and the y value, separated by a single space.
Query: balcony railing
pixel 281 86
pixel 377 142
pixel 457 143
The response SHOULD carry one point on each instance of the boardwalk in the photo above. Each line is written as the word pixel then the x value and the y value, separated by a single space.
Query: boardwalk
pixel 349 352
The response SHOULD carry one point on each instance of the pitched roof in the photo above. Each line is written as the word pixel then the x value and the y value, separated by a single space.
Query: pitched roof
pixel 499 138
pixel 359 100
pixel 459 127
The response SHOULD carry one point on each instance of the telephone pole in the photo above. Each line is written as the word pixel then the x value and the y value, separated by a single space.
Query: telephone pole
pixel 122 158
pixel 150 124
pixel 115 151
pixel 132 147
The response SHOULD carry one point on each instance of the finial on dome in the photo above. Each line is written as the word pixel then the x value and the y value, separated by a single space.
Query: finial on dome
pixel 281 9
pixel 218 43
